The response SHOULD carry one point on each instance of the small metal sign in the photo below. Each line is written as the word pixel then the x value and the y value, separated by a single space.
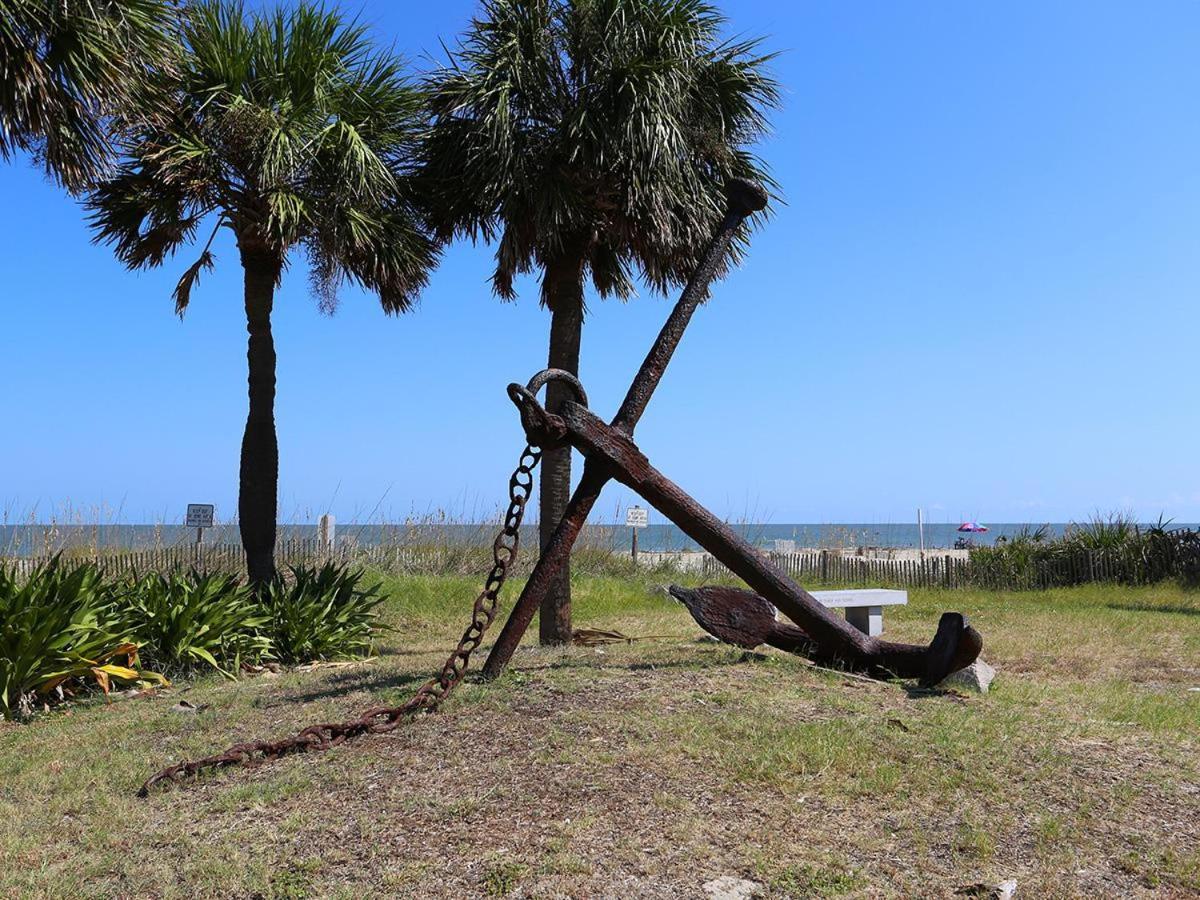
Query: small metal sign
pixel 637 517
pixel 200 515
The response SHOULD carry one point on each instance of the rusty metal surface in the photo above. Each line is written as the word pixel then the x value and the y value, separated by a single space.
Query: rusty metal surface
pixel 740 617
pixel 429 696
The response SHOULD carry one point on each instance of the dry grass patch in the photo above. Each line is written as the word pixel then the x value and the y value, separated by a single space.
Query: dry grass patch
pixel 645 770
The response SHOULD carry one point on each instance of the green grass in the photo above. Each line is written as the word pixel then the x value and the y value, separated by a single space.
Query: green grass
pixel 646 769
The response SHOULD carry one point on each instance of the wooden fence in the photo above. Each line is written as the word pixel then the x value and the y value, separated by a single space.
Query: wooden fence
pixel 461 558
pixel 826 568
pixel 946 571
pixel 811 568
pixel 219 557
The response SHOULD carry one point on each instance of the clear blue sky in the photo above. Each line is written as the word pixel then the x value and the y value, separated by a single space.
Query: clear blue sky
pixel 980 298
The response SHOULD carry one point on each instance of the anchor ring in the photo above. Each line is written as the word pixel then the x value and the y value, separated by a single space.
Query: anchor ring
pixel 547 375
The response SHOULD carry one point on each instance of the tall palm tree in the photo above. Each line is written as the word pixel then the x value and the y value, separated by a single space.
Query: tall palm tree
pixel 591 138
pixel 67 67
pixel 289 129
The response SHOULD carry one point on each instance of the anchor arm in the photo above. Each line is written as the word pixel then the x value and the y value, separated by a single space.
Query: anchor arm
pixel 743 199
pixel 549 564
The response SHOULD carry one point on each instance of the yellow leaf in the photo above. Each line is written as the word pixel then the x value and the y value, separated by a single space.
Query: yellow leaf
pixel 118 672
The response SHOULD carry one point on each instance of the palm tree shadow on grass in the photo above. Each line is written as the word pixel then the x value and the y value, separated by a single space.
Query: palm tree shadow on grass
pixel 347 683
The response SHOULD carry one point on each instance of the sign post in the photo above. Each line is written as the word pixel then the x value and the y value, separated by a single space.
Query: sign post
pixel 636 517
pixel 199 516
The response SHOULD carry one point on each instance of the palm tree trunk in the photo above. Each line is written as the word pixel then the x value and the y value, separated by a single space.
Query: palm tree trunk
pixel 258 486
pixel 564 280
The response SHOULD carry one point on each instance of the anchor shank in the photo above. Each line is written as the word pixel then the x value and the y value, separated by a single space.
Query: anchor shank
pixel 597 441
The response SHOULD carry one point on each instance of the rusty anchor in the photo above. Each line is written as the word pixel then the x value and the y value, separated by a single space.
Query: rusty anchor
pixel 741 617
pixel 610 453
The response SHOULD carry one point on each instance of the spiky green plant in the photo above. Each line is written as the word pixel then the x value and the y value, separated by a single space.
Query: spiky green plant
pixel 184 621
pixel 67 69
pixel 322 613
pixel 1104 532
pixel 59 627
pixel 591 139
pixel 293 131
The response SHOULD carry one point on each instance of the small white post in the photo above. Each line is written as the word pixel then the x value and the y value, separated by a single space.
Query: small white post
pixel 326 533
pixel 921 531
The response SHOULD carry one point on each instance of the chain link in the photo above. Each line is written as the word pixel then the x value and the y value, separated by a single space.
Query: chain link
pixel 430 695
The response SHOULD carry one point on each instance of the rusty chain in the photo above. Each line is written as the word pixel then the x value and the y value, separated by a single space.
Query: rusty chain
pixel 429 696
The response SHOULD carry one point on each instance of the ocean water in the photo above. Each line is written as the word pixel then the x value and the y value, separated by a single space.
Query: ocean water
pixel 25 540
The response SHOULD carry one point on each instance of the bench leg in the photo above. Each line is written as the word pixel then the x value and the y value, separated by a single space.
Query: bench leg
pixel 867 619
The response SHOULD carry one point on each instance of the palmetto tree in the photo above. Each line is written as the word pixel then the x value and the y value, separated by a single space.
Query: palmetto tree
pixel 289 129
pixel 67 67
pixel 591 139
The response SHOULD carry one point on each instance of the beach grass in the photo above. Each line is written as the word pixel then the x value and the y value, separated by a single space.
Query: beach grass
pixel 647 769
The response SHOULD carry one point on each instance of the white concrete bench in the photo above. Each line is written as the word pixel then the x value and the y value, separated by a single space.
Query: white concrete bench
pixel 864 607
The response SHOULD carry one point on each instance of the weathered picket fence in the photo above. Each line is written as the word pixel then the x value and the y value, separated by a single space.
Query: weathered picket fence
pixel 226 557
pixel 824 568
pixel 946 571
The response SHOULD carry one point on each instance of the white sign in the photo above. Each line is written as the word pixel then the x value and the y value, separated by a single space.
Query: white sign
pixel 637 517
pixel 200 515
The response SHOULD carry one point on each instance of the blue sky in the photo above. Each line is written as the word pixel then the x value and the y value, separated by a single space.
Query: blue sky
pixel 980 298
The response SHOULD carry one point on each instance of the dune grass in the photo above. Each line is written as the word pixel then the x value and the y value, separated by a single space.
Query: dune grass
pixel 647 769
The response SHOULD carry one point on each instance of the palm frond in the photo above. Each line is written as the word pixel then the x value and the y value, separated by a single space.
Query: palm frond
pixel 69 70
pixel 608 123
pixel 293 127
pixel 183 290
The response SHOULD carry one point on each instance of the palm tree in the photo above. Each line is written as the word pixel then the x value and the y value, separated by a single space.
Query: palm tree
pixel 289 129
pixel 67 67
pixel 591 138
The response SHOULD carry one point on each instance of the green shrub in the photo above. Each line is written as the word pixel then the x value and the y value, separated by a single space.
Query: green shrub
pixel 321 614
pixel 1114 532
pixel 188 620
pixel 1112 548
pixel 58 628
pixel 1187 564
